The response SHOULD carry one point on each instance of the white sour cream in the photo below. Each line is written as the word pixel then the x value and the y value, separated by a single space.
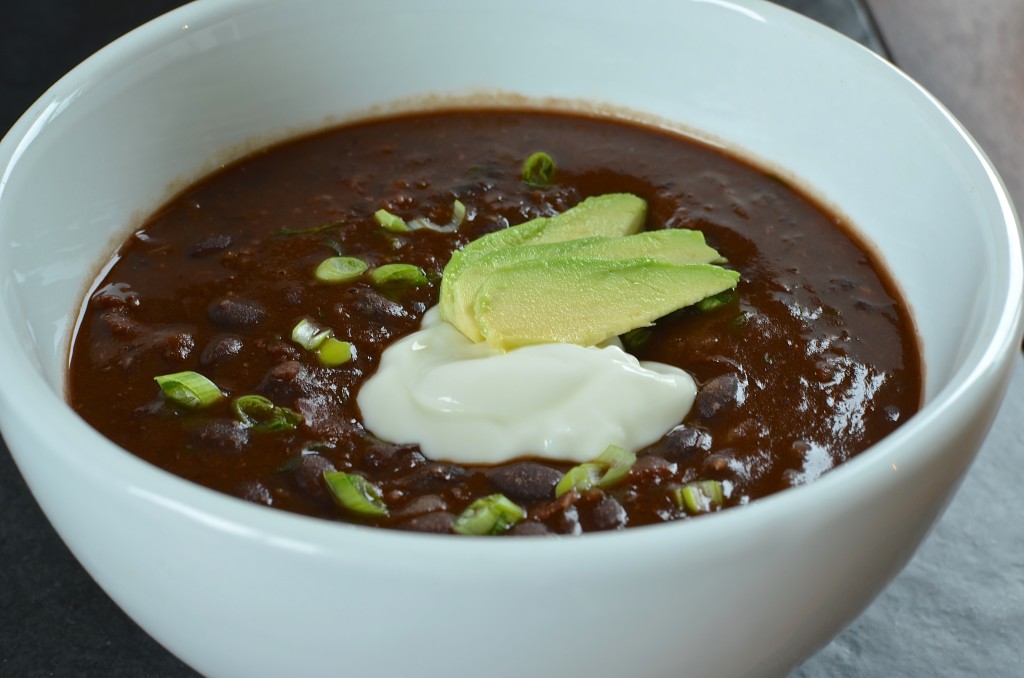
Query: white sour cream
pixel 468 403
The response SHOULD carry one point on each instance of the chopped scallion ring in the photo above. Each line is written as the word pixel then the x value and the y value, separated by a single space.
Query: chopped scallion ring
pixel 334 352
pixel 189 389
pixel 636 338
pixel 580 478
pixel 260 414
pixel 617 461
pixel 610 467
pixel 699 497
pixel 398 274
pixel 309 335
pixel 458 216
pixel 356 494
pixel 340 269
pixel 492 514
pixel 538 170
pixel 390 222
pixel 716 300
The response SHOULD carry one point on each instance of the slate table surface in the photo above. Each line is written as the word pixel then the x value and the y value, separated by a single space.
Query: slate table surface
pixel 957 609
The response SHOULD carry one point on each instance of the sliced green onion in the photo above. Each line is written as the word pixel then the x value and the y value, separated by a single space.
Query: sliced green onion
pixel 189 389
pixel 390 222
pixel 492 514
pixel 398 274
pixel 309 335
pixel 715 301
pixel 334 352
pixel 580 478
pixel 617 461
pixel 698 497
pixel 458 216
pixel 538 170
pixel 356 494
pixel 260 414
pixel 610 467
pixel 636 338
pixel 340 269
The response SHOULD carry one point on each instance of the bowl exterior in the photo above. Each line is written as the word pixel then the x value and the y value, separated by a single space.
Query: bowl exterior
pixel 235 589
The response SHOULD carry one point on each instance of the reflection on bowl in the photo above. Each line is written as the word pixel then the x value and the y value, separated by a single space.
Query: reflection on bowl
pixel 235 589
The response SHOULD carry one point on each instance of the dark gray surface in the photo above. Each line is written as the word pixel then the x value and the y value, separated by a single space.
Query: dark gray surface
pixel 958 609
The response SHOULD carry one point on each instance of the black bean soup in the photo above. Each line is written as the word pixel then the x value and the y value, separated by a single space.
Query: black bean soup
pixel 813 359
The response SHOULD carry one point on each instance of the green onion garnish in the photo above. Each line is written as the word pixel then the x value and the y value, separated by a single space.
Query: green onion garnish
pixel 538 170
pixel 492 514
pixel 390 222
pixel 580 478
pixel 715 301
pixel 340 269
pixel 610 467
pixel 260 414
pixel 356 494
pixel 333 352
pixel 616 461
pixel 458 216
pixel 698 497
pixel 635 338
pixel 398 274
pixel 309 335
pixel 189 389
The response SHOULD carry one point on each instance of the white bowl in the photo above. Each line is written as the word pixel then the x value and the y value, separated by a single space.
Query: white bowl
pixel 237 589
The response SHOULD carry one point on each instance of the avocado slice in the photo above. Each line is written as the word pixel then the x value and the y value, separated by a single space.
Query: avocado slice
pixel 612 215
pixel 587 301
pixel 676 246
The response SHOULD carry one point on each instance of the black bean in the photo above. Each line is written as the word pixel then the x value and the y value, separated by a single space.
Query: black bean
pixel 235 314
pixel 720 394
pixel 525 481
pixel 375 306
pixel 683 443
pixel 544 512
pixel 283 383
pixel 650 468
pixel 568 522
pixel 406 460
pixel 221 348
pixel 439 522
pixel 211 244
pixel 293 295
pixel 608 514
pixel 223 435
pixel 380 454
pixel 256 492
pixel 308 476
pixel 176 345
pixel 116 295
pixel 433 477
pixel 425 503
pixel 280 351
pixel 530 528
pixel 120 324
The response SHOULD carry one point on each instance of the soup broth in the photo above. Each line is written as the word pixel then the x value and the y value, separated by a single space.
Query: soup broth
pixel 812 359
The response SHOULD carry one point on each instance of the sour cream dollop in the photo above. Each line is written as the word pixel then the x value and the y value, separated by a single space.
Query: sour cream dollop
pixel 468 403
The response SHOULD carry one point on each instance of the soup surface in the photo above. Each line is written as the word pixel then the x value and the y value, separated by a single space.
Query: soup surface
pixel 813 359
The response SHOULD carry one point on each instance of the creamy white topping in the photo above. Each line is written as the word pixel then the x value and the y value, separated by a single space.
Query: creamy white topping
pixel 468 403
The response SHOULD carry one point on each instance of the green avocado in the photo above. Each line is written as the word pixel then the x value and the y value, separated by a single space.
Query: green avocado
pixel 587 301
pixel 612 215
pixel 676 246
